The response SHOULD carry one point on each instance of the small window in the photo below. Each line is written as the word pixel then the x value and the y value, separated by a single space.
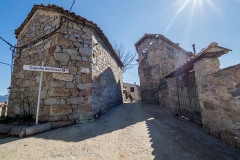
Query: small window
pixel 131 89
pixel 170 52
pixel 145 56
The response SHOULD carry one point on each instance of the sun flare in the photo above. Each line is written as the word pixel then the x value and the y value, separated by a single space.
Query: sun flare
pixel 196 8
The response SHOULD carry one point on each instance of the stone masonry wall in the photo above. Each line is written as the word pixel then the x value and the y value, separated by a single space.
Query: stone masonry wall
pixel 64 96
pixel 154 63
pixel 24 84
pixel 168 97
pixel 107 79
pixel 219 95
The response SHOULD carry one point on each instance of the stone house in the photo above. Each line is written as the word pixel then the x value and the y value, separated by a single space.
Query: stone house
pixel 133 90
pixel 192 86
pixel 62 39
pixel 204 93
pixel 157 55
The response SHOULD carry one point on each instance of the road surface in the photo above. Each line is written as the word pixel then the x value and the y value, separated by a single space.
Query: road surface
pixel 129 131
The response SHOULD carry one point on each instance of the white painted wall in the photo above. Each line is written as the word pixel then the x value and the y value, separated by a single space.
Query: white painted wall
pixel 136 93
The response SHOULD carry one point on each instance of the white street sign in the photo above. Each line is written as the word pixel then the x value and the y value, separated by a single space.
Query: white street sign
pixel 45 69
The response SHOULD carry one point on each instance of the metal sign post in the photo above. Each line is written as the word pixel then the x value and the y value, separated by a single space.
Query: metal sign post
pixel 42 69
pixel 39 93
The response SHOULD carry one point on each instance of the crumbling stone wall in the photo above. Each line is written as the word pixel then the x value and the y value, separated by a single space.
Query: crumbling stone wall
pixel 219 95
pixel 155 61
pixel 91 87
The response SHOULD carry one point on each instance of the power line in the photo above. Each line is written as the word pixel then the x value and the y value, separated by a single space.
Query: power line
pixel 6 64
pixel 72 5
pixel 7 42
pixel 12 48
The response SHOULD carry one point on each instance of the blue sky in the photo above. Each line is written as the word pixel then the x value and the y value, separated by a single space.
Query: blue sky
pixel 125 21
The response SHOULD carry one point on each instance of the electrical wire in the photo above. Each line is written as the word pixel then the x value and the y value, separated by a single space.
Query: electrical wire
pixel 63 19
pixel 7 42
pixel 12 48
pixel 6 64
pixel 45 36
pixel 72 5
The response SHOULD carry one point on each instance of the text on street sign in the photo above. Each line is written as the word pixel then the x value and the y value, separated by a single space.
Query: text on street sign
pixel 45 69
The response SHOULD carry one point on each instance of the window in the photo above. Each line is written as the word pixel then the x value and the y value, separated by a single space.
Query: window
pixel 170 53
pixel 131 89
pixel 145 56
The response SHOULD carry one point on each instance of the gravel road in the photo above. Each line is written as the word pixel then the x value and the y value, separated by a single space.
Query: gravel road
pixel 129 131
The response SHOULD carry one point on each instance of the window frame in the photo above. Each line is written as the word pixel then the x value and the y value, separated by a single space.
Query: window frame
pixel 170 53
pixel 132 89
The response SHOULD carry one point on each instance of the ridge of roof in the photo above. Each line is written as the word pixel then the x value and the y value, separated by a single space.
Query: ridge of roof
pixel 212 45
pixel 165 39
pixel 76 18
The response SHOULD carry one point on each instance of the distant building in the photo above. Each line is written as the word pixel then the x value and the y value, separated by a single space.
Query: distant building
pixel 133 90
pixel 3 109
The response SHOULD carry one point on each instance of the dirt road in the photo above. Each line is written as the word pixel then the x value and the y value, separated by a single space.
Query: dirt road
pixel 130 131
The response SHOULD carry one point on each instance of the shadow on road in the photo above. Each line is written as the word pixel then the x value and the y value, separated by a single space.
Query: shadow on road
pixel 180 139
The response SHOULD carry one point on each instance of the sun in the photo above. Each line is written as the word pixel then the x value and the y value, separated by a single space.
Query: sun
pixel 196 7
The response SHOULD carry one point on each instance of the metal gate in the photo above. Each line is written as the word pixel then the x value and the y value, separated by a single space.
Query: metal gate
pixel 188 97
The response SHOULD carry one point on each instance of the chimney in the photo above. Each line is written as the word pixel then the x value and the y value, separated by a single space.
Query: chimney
pixel 194 50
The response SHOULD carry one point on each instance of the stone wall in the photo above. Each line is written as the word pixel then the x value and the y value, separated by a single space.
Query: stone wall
pixel 91 87
pixel 107 79
pixel 168 96
pixel 24 84
pixel 219 95
pixel 155 61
